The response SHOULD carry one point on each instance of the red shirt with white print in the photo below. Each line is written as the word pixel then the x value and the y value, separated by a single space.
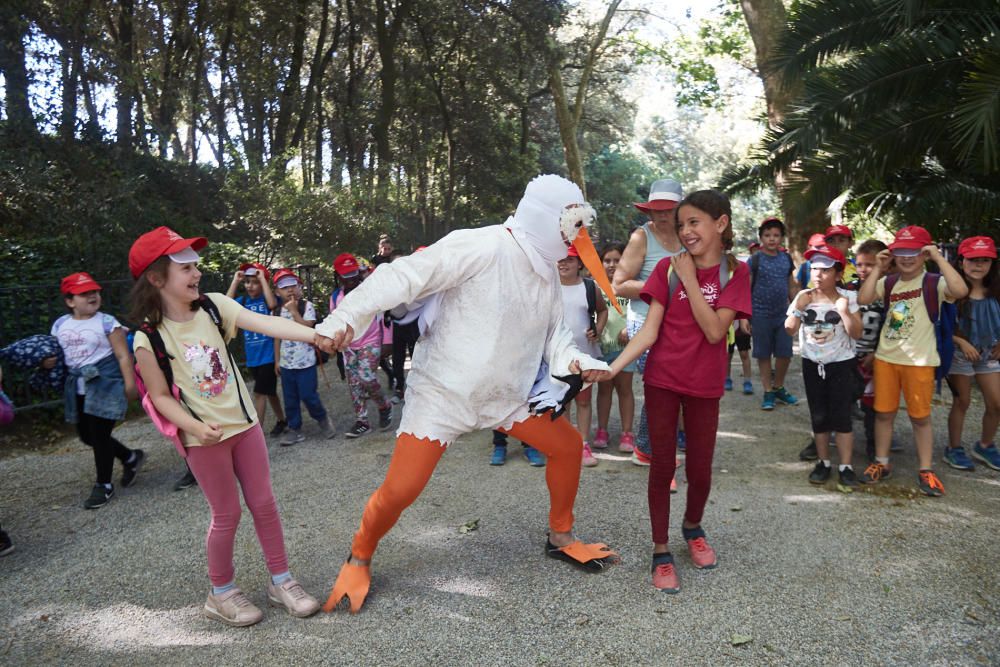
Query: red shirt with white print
pixel 682 360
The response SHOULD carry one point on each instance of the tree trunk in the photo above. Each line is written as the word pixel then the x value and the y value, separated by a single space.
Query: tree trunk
pixel 13 31
pixel 125 86
pixel 387 35
pixel 290 92
pixel 567 129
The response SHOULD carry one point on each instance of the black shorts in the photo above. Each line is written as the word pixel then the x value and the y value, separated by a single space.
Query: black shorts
pixel 265 380
pixel 742 342
pixel 831 396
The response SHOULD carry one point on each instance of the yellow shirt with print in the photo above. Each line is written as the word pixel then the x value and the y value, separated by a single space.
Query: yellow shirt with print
pixel 907 335
pixel 202 368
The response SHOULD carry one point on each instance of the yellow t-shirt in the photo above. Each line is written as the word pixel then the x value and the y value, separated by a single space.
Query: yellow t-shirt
pixel 907 335
pixel 202 370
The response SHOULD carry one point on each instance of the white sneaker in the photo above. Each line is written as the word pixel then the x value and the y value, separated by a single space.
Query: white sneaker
pixel 232 608
pixel 293 598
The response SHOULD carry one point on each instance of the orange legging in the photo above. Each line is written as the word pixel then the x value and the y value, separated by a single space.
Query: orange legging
pixel 413 462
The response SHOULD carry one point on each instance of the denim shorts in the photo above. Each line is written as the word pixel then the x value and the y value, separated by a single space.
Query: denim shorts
pixel 960 364
pixel 611 356
pixel 770 338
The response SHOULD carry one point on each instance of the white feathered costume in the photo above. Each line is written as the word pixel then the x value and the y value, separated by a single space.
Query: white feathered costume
pixel 493 314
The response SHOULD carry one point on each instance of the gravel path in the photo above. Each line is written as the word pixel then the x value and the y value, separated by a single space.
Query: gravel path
pixel 805 576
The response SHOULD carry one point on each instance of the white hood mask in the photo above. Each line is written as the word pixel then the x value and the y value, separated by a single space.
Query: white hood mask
pixel 551 206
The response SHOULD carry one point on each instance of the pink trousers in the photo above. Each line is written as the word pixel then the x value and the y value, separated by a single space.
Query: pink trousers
pixel 241 458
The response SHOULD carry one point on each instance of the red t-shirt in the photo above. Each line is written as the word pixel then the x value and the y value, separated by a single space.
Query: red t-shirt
pixel 682 359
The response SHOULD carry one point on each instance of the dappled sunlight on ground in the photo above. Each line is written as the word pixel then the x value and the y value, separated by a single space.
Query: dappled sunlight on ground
pixel 796 499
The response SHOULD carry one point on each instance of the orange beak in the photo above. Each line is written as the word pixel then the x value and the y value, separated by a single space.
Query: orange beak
pixel 591 260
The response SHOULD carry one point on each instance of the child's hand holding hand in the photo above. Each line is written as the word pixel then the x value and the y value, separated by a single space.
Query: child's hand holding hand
pixel 208 434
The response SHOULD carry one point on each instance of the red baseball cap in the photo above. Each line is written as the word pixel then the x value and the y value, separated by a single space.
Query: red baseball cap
pixel 346 265
pixel 911 238
pixel 973 247
pixel 78 283
pixel 281 274
pixel 754 246
pixel 829 252
pixel 816 240
pixel 572 252
pixel 838 230
pixel 155 244
pixel 257 268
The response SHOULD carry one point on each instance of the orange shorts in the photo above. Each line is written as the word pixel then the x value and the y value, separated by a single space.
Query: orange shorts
pixel 915 382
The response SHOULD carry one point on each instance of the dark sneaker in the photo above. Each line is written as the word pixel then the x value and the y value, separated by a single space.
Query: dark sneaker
pixel 957 458
pixel 930 484
pixel 781 394
pixel 6 544
pixel 131 469
pixel 359 429
pixel 875 473
pixel 385 418
pixel 989 455
pixel 808 452
pixel 292 437
pixel 747 387
pixel 820 473
pixel 499 455
pixel 729 384
pixel 279 428
pixel 847 481
pixel 534 457
pixel 185 482
pixel 768 402
pixel 99 497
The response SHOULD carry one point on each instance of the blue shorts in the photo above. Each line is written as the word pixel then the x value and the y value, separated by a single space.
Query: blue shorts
pixel 960 364
pixel 770 338
pixel 611 356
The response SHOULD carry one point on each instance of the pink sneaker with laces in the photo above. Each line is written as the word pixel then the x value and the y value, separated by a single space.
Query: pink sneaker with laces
pixel 665 574
pixel 626 443
pixel 588 456
pixel 601 439
pixel 702 555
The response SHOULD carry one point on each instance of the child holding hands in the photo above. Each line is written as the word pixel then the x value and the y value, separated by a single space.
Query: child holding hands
pixel 221 434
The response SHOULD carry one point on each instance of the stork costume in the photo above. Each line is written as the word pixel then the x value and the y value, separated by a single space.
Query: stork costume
pixel 491 318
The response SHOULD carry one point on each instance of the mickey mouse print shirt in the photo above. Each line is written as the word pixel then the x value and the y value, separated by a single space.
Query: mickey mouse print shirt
pixel 823 337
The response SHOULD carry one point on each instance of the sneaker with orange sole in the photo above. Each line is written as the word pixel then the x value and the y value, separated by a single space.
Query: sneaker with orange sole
pixel 702 555
pixel 640 459
pixel 665 574
pixel 929 484
pixel 875 473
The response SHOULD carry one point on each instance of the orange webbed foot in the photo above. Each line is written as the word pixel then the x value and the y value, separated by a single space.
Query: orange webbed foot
pixel 352 582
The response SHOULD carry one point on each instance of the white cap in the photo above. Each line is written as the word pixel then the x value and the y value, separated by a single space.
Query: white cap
pixel 185 256
pixel 287 281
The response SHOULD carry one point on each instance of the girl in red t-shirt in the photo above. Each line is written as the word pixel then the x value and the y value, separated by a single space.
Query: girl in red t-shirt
pixel 692 301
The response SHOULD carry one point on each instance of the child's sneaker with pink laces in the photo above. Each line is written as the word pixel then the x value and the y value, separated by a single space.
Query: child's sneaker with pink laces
pixel 702 555
pixel 601 439
pixel 588 456
pixel 626 443
pixel 665 574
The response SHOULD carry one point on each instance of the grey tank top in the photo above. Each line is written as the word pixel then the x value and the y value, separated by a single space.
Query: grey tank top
pixel 637 308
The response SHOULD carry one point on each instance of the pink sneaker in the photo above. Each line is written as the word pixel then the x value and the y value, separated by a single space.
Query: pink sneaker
pixel 702 555
pixel 626 443
pixel 601 439
pixel 664 574
pixel 588 456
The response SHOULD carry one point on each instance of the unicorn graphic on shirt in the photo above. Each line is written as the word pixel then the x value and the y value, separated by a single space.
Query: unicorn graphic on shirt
pixel 207 371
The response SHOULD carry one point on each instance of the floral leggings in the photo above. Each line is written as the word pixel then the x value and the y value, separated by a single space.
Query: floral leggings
pixel 361 365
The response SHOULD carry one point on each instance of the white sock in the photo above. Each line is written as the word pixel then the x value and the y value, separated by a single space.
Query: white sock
pixel 884 460
pixel 826 463
pixel 845 466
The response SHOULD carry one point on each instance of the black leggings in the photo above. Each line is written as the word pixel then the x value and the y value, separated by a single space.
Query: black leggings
pixel 830 397
pixel 404 339
pixel 96 434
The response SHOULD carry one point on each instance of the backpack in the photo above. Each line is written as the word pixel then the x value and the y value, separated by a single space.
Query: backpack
pixel 162 424
pixel 944 317
pixel 590 287
pixel 755 267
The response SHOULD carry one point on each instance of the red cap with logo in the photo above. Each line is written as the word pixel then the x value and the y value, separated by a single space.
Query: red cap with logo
pixel 253 268
pixel 346 265
pixel 911 238
pixel 838 230
pixel 79 283
pixel 976 246
pixel 155 244
pixel 826 251
pixel 816 240
pixel 281 277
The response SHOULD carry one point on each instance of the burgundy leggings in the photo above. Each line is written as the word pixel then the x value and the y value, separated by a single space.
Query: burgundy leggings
pixel 701 421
